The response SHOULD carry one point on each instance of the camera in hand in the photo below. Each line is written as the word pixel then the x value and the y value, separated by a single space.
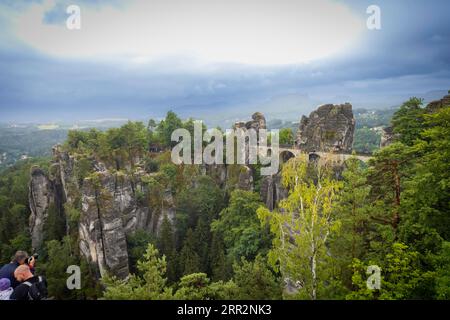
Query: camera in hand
pixel 35 256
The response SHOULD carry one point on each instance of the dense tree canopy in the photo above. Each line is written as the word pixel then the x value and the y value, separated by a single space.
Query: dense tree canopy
pixel 222 242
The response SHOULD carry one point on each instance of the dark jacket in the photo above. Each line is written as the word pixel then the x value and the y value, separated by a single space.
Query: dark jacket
pixel 7 271
pixel 21 291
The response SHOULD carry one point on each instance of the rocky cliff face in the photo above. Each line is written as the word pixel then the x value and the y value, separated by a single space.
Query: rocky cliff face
pixel 387 137
pixel 272 191
pixel 110 205
pixel 45 197
pixel 436 105
pixel 329 128
pixel 40 195
pixel 258 122
pixel 230 177
pixel 101 229
pixel 110 209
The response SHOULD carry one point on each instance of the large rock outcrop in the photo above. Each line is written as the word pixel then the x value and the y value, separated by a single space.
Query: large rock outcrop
pixel 113 204
pixel 329 128
pixel 110 204
pixel 438 104
pixel 258 122
pixel 40 194
pixel 101 231
pixel 45 197
pixel 387 137
pixel 230 177
pixel 272 191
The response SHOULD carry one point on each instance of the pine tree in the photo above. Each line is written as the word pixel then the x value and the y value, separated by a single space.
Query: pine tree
pixel 197 286
pixel 151 286
pixel 189 261
pixel 352 211
pixel 202 236
pixel 166 246
pixel 218 261
pixel 387 171
pixel 55 226
pixel 401 275
pixel 408 121
pixel 256 281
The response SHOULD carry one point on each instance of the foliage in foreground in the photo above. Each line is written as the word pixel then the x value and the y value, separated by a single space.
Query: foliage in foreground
pixel 255 279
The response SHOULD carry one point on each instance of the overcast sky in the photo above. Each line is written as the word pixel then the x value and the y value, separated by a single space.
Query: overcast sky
pixel 216 60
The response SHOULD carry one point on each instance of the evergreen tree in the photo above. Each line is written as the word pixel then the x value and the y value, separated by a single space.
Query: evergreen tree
pixel 428 193
pixel 202 237
pixel 167 126
pixel 443 273
pixel 55 226
pixel 202 200
pixel 193 286
pixel 352 210
pixel 401 275
pixel 408 121
pixel 166 246
pixel 218 260
pixel 256 281
pixel 59 257
pixel 189 261
pixel 137 244
pixel 150 286
pixel 197 286
pixel 238 223
pixel 388 169
pixel 286 136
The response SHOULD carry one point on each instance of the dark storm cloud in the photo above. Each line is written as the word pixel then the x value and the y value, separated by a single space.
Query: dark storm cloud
pixel 410 55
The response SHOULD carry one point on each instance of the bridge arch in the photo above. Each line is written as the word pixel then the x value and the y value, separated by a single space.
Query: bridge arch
pixel 313 157
pixel 285 155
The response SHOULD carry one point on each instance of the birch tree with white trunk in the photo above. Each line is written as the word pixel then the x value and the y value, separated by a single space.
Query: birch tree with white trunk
pixel 302 224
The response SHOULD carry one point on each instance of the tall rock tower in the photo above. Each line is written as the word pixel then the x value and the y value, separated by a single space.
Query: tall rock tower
pixel 329 128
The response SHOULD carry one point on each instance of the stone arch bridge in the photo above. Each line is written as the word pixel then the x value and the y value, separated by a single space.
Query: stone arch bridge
pixel 286 152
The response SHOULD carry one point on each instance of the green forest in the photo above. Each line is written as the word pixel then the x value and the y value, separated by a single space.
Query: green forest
pixel 224 243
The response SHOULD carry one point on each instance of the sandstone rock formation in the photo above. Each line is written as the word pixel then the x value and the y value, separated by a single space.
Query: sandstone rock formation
pixel 232 176
pixel 387 137
pixel 45 197
pixel 436 105
pixel 272 191
pixel 245 178
pixel 101 231
pixel 40 193
pixel 110 209
pixel 329 128
pixel 258 122
pixel 109 205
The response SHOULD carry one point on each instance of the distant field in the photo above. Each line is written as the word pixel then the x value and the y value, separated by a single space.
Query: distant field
pixel 48 127
pixel 24 142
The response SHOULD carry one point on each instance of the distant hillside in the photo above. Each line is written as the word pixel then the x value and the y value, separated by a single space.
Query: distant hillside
pixel 18 143
pixel 23 141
